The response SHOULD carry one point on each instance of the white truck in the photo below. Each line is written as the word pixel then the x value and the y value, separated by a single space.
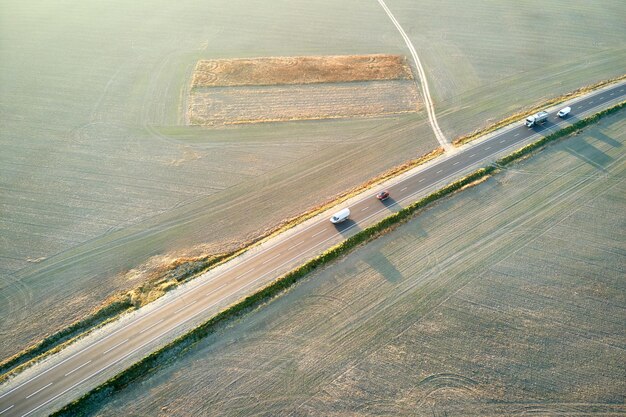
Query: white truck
pixel 340 216
pixel 536 119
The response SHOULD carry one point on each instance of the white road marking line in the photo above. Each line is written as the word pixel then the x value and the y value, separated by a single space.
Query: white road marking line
pixel 318 233
pixel 111 348
pixel 115 332
pixel 456 163
pixel 404 189
pixel 472 155
pixel 76 369
pixel 601 97
pixel 211 292
pixel 7 409
pixel 297 244
pixel 591 102
pixel 188 305
pixel 612 93
pixel 151 326
pixel 487 148
pixel 422 180
pixel 248 271
pixel 363 209
pixel 273 257
pixel 438 171
pixel 502 141
pixel 189 318
pixel 516 135
pixel 39 390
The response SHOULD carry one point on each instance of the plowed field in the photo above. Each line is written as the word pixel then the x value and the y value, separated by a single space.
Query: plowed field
pixel 237 105
pixel 300 88
pixel 506 299
pixel 99 171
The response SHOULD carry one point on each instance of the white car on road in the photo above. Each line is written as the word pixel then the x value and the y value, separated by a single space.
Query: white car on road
pixel 340 216
pixel 564 112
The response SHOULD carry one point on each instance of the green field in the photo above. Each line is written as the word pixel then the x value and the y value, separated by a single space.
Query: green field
pixel 505 299
pixel 98 173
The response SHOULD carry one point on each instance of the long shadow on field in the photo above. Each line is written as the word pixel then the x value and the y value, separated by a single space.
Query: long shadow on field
pixel 606 139
pixel 380 263
pixel 413 231
pixel 378 260
pixel 588 153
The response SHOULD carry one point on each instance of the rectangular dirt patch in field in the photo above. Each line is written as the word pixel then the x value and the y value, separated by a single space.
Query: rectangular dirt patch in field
pixel 299 70
pixel 217 106
pixel 236 91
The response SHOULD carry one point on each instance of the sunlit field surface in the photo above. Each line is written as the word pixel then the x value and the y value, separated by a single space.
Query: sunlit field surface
pixel 505 299
pixel 98 171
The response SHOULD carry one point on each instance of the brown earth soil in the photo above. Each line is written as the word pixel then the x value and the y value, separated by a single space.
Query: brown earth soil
pixel 217 106
pixel 299 70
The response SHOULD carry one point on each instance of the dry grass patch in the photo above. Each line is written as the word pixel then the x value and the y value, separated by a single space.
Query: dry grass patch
pixel 242 105
pixel 243 91
pixel 299 70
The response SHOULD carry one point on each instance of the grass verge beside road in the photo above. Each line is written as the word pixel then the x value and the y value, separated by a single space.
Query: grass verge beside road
pixel 179 271
pixel 88 403
pixel 59 340
pixel 168 277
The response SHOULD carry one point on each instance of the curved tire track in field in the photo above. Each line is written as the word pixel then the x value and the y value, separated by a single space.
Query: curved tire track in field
pixel 422 76
pixel 567 409
pixel 14 303
pixel 436 382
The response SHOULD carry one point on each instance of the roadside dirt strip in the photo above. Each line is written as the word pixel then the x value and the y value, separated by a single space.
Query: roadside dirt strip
pixel 422 76
pixel 67 375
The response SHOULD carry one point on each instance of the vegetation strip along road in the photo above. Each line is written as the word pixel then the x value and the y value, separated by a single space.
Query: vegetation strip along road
pixel 471 160
pixel 170 352
pixel 139 297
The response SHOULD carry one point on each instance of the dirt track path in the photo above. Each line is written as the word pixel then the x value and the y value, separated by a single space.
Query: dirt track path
pixel 422 76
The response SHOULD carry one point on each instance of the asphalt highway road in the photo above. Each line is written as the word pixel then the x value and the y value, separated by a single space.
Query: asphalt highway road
pixel 80 369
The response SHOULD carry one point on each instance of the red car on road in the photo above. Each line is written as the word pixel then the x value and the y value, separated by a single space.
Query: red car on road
pixel 383 195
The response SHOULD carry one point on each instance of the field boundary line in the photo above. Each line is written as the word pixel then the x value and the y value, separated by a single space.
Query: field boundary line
pixel 424 83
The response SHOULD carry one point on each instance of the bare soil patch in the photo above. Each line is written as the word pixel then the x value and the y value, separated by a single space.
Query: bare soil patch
pixel 237 105
pixel 299 70
pixel 237 91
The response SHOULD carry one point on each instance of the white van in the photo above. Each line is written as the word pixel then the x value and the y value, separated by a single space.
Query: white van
pixel 340 216
pixel 564 112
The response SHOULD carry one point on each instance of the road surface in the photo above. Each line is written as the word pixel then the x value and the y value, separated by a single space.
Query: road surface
pixel 47 386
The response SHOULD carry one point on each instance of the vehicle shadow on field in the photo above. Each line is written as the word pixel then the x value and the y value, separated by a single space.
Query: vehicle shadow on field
pixel 379 262
pixel 606 139
pixel 375 259
pixel 586 151
pixel 589 154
